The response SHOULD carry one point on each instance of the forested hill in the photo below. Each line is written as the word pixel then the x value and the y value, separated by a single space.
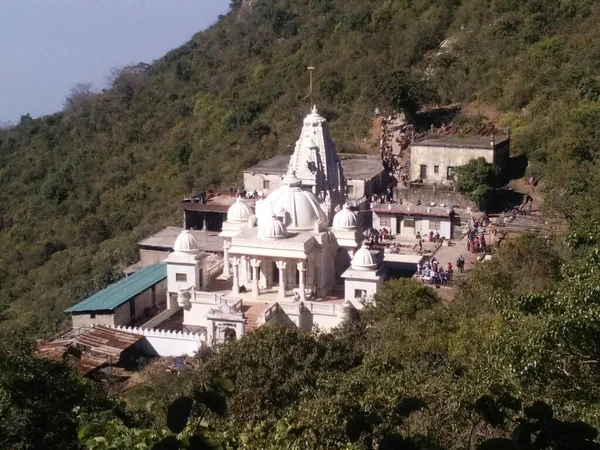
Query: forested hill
pixel 80 187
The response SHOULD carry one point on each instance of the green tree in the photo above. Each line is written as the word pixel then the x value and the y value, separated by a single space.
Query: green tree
pixel 37 400
pixel 476 181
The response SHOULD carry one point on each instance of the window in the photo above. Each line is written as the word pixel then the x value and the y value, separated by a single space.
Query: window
pixel 182 277
pixel 359 293
pixel 266 184
pixel 409 223
pixel 435 225
pixel 350 189
pixel 92 315
pixel 436 169
pixel 450 174
pixel 385 221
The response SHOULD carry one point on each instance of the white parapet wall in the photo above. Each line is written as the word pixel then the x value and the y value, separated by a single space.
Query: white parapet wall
pixel 167 343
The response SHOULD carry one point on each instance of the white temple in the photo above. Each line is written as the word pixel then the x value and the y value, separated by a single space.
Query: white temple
pixel 297 259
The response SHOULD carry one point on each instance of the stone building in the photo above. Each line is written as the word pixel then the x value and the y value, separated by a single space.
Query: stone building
pixel 435 158
pixel 408 220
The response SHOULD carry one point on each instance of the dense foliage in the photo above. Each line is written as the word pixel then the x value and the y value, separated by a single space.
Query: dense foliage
pixel 38 399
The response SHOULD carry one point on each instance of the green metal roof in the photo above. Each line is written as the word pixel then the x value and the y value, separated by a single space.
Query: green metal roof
pixel 118 293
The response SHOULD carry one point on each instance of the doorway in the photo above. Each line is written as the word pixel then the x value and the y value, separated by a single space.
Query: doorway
pixel 423 172
pixel 275 273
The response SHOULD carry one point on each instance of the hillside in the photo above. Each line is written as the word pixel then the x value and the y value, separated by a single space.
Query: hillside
pixel 80 187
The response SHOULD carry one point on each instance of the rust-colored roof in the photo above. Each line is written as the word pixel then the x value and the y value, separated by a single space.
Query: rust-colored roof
pixel 52 350
pixel 84 365
pixel 107 341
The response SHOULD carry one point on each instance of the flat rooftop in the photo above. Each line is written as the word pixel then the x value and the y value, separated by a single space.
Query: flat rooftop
pixel 219 203
pixel 355 166
pixel 474 142
pixel 209 241
pixel 360 167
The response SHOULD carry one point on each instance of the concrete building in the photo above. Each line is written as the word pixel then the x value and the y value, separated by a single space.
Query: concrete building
pixel 130 301
pixel 408 220
pixel 435 158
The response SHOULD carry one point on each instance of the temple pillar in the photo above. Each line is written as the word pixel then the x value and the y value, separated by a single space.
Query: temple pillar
pixel 226 264
pixel 264 282
pixel 281 265
pixel 235 289
pixel 302 278
pixel 255 264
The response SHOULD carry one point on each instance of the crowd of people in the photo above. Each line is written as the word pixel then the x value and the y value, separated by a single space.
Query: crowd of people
pixel 388 159
pixel 432 272
pixel 396 164
pixel 475 242
pixel 374 236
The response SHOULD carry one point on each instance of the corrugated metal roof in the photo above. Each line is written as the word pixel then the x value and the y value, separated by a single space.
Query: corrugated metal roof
pixel 99 344
pixel 118 293
pixel 85 365
pixel 107 341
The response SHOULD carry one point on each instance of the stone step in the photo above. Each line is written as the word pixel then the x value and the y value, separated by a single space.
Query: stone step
pixel 252 314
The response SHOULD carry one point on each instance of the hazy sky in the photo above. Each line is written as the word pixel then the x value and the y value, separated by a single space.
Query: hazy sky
pixel 46 46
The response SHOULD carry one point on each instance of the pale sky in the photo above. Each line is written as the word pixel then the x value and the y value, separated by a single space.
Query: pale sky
pixel 46 46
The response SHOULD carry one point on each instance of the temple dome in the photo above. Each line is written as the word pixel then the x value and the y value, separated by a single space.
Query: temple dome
pixel 271 228
pixel 239 211
pixel 345 218
pixel 302 208
pixel 186 243
pixel 364 259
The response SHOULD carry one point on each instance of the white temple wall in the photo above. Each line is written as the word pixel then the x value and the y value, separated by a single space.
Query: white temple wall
pixel 196 315
pixel 325 322
pixel 167 343
pixel 180 271
pixel 369 286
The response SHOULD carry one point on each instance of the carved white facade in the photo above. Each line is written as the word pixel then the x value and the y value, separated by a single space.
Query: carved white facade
pixel 285 263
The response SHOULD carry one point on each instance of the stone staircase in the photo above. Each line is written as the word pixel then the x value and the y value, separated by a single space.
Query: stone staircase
pixel 252 315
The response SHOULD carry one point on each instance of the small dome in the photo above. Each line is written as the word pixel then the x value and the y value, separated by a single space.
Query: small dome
pixel 271 228
pixel 186 243
pixel 302 207
pixel 345 218
pixel 364 259
pixel 239 211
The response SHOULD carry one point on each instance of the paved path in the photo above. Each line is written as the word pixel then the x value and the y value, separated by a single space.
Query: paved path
pixel 450 254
